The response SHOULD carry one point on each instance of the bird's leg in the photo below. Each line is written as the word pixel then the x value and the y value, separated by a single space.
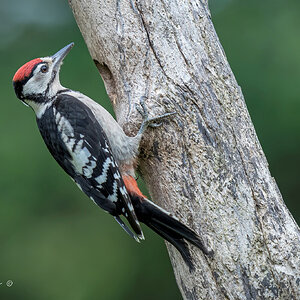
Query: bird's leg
pixel 147 121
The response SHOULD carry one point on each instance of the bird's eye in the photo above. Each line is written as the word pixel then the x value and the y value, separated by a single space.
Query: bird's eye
pixel 44 69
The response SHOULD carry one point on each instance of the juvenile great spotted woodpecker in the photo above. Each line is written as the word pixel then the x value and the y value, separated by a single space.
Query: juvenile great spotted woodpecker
pixel 92 148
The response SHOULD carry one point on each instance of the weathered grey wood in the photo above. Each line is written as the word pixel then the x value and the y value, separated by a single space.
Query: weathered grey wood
pixel 206 164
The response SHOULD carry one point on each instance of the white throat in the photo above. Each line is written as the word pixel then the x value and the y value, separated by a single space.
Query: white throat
pixel 39 108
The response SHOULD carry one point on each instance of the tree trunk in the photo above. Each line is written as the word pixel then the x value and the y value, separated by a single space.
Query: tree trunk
pixel 205 165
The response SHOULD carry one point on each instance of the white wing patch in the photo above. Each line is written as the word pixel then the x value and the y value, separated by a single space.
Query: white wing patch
pixel 117 175
pixel 103 177
pixel 123 190
pixel 114 196
pixel 63 126
pixel 82 160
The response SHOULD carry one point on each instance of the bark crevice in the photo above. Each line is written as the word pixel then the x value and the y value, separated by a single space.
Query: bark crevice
pixel 205 165
pixel 149 41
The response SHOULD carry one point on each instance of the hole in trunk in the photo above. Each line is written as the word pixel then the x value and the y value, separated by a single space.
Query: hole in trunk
pixel 108 80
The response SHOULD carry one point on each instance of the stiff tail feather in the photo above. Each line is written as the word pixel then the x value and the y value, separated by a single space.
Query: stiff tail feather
pixel 163 223
pixel 168 227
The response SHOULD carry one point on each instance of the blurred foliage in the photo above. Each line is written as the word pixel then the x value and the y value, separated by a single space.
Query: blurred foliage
pixel 55 243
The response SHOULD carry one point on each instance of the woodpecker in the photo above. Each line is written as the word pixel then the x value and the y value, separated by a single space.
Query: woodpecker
pixel 91 147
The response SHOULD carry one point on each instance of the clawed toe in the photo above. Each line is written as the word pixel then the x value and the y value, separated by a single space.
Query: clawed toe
pixel 153 122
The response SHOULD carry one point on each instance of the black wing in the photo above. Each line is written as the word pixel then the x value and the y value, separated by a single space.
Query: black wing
pixel 80 146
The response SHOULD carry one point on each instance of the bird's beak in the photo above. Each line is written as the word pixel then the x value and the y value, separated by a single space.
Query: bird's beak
pixel 59 56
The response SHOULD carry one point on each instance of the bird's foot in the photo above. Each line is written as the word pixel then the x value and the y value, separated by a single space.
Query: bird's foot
pixel 150 121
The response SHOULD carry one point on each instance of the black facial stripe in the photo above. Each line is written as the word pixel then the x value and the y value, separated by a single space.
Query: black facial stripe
pixel 53 75
pixel 39 98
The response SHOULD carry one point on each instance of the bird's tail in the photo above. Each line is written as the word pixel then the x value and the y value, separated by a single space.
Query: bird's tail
pixel 164 224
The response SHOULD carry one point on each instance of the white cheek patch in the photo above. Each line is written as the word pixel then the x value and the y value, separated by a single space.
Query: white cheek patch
pixel 55 86
pixel 37 84
pixel 42 83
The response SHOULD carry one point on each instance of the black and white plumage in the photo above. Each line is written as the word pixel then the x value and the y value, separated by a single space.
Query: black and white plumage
pixel 94 151
pixel 80 146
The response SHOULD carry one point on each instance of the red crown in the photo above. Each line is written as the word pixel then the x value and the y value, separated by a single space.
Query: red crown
pixel 26 69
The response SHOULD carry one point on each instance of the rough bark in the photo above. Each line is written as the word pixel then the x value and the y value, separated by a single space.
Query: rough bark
pixel 206 164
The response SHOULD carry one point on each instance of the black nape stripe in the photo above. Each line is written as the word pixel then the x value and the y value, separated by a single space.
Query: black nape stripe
pixel 63 91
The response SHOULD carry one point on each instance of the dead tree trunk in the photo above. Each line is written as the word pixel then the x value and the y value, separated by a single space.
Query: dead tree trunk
pixel 206 164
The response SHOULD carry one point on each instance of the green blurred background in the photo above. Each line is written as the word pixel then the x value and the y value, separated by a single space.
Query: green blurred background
pixel 55 243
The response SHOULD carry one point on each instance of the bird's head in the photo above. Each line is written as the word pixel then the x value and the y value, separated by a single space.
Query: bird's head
pixel 37 81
